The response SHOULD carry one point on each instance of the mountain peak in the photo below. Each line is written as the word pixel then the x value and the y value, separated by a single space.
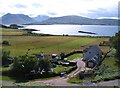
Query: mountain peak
pixel 41 18
pixel 16 19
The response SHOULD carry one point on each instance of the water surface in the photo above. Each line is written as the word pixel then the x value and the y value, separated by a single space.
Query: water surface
pixel 100 30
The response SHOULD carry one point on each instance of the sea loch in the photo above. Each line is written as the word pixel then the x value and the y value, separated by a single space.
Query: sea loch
pixel 99 30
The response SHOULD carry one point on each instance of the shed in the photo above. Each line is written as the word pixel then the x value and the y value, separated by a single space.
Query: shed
pixel 55 56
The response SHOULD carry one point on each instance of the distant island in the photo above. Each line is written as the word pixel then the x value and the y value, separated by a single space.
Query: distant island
pixel 86 32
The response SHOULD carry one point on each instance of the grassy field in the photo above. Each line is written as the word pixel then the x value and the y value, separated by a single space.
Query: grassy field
pixel 75 80
pixel 5 31
pixel 19 43
pixel 78 55
pixel 48 44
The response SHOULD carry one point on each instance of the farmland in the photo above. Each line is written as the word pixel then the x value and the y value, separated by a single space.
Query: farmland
pixel 20 43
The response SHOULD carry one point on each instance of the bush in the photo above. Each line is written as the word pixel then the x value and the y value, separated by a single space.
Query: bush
pixel 104 73
pixel 5 43
pixel 111 53
pixel 5 57
pixel 62 55
pixel 72 63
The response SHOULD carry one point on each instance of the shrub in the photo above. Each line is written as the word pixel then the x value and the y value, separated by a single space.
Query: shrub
pixel 5 43
pixel 5 57
pixel 62 55
pixel 104 73
pixel 111 53
pixel 72 63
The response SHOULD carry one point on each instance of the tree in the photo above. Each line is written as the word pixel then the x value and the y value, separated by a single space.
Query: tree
pixel 5 43
pixel 62 55
pixel 24 64
pixel 115 42
pixel 14 26
pixel 5 57
pixel 44 64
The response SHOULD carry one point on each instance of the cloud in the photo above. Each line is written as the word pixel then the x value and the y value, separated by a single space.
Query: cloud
pixel 87 8
pixel 20 6
pixel 100 12
pixel 52 13
pixel 36 5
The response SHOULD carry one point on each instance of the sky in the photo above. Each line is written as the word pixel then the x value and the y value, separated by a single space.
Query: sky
pixel 57 8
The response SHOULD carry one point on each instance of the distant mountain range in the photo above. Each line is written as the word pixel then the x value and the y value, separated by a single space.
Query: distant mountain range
pixel 78 20
pixel 42 19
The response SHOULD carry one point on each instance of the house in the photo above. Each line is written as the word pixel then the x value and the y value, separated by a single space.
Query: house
pixel 92 56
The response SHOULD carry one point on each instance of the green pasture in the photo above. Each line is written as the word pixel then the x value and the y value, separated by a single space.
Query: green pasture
pixel 8 31
pixel 19 43
pixel 48 44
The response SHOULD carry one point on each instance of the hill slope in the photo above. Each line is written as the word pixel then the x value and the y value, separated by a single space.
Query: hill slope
pixel 78 20
pixel 16 19
pixel 41 18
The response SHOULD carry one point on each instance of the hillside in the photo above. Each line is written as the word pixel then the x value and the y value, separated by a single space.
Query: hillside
pixel 41 18
pixel 78 20
pixel 16 19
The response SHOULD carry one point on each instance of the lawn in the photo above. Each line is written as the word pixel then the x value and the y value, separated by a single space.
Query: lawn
pixel 78 55
pixel 75 80
pixel 61 68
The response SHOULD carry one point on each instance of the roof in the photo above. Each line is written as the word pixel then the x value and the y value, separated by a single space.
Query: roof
pixel 95 47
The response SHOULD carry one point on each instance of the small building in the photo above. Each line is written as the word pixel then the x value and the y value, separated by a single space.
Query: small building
pixel 40 56
pixel 55 56
pixel 92 56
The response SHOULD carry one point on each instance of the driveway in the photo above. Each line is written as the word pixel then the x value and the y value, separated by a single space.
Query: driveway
pixel 62 81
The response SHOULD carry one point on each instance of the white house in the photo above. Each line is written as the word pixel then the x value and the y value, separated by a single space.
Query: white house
pixel 92 56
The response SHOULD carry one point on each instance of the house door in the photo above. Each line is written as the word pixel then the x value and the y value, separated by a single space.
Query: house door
pixel 90 64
